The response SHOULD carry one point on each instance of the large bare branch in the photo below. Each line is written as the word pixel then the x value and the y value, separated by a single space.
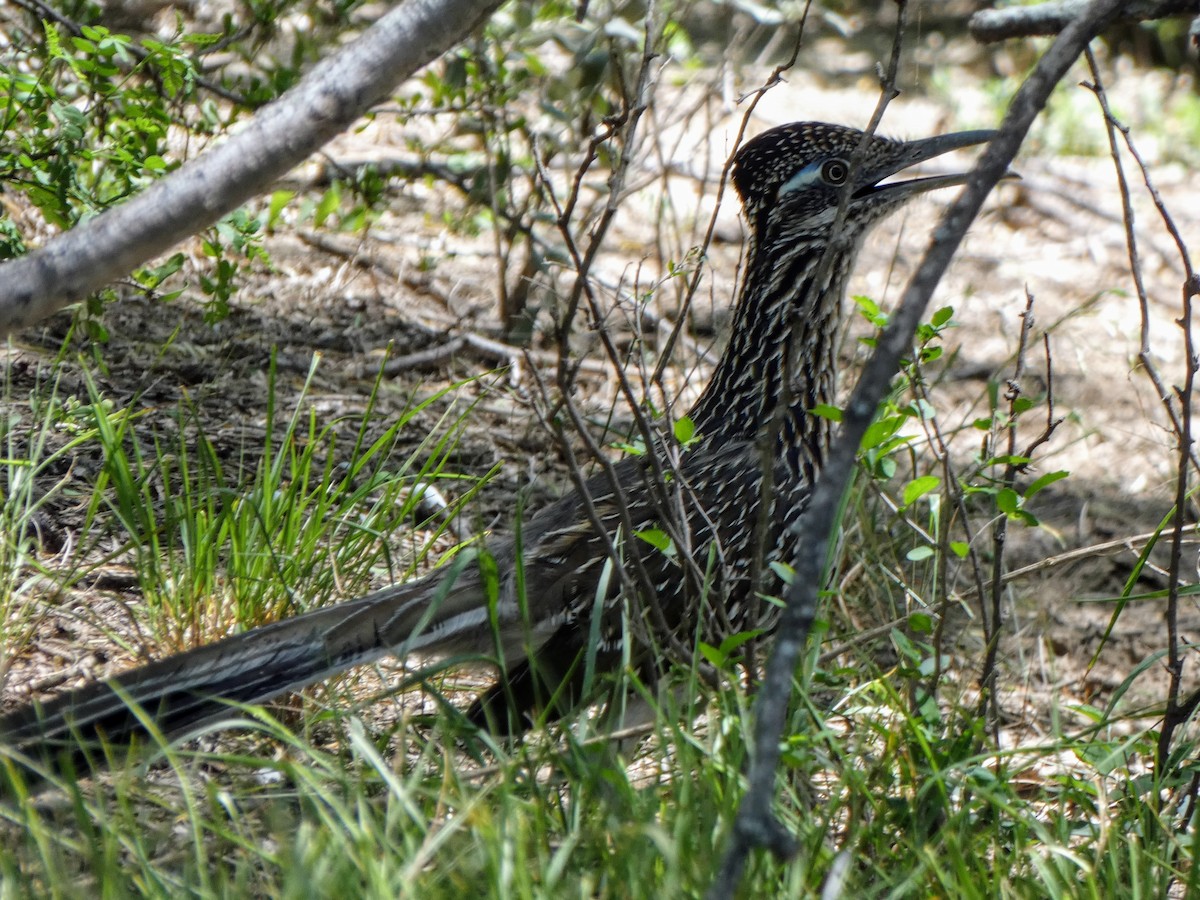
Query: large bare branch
pixel 282 134
pixel 1045 19
pixel 756 824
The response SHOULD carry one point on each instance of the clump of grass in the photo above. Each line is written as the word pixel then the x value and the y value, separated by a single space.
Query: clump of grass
pixel 216 543
pixel 894 803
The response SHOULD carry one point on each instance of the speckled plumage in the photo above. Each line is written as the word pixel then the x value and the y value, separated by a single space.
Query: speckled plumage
pixel 790 180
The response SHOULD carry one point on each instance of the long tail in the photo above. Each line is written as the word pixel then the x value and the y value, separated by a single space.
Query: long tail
pixel 438 614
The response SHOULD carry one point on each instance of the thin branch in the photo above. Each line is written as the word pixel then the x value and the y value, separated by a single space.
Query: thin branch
pixel 992 614
pixel 1179 411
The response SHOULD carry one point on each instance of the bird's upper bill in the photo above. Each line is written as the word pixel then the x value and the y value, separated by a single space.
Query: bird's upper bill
pixel 872 177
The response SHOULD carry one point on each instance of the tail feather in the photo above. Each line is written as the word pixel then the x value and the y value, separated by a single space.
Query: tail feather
pixel 444 614
pixel 182 693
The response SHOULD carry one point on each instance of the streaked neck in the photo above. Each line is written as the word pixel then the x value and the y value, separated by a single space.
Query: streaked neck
pixel 780 304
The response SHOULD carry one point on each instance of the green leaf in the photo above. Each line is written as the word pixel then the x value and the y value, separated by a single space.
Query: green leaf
pixel 880 430
pixel 942 316
pixel 920 409
pixel 785 572
pixel 279 200
pixel 825 411
pixel 635 449
pixel 685 430
pixel 711 655
pixel 884 468
pixel 916 554
pixel 1007 460
pixel 1045 481
pixel 152 276
pixel 960 549
pixel 1008 501
pixel 919 487
pixel 870 311
pixel 734 641
pixel 906 647
pixel 330 201
pixel 993 392
pixel 921 623
pixel 720 656
pixel 658 539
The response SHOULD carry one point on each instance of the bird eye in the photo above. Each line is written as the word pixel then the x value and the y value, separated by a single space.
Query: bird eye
pixel 835 172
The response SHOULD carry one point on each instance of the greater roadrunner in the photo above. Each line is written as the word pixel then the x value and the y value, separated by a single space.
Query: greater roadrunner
pixel 542 627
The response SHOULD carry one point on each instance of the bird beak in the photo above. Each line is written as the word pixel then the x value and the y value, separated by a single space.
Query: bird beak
pixel 918 152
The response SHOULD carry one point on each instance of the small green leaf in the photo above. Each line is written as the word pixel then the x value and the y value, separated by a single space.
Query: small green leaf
pixel 906 647
pixel 921 623
pixel 920 409
pixel 785 572
pixel 942 316
pixel 916 554
pixel 880 430
pixel 711 655
pixel 1045 481
pixel 279 200
pixel 685 430
pixel 870 311
pixel 330 201
pixel 1007 460
pixel 153 276
pixel 825 411
pixel 489 575
pixel 1008 501
pixel 960 549
pixel 993 392
pixel 658 539
pixel 919 487
pixel 734 641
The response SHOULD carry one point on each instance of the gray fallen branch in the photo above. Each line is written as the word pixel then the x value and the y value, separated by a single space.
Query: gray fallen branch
pixel 1045 19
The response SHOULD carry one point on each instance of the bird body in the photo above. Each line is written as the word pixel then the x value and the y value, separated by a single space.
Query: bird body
pixel 576 559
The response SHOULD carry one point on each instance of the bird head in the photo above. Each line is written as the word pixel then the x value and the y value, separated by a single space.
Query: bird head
pixel 791 178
